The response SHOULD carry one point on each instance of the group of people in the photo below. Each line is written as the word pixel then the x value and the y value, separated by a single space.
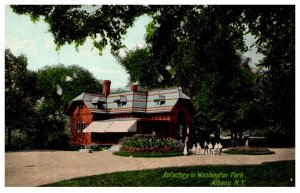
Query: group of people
pixel 208 148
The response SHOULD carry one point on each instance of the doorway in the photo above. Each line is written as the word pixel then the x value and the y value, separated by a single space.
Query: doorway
pixel 181 126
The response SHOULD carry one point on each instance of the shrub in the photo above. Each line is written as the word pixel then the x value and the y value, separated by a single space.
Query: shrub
pixel 150 143
pixel 57 141
pixel 249 150
pixel 18 140
pixel 147 154
pixel 96 147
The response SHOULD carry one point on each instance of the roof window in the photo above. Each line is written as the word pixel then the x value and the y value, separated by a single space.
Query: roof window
pixel 122 101
pixel 161 100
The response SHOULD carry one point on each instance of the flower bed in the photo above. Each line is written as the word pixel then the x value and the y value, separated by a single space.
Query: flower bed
pixel 147 154
pixel 249 150
pixel 150 143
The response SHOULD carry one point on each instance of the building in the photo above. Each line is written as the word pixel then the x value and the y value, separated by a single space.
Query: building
pixel 106 118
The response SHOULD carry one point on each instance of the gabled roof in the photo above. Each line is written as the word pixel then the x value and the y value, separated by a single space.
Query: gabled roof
pixel 85 97
pixel 153 101
pixel 183 96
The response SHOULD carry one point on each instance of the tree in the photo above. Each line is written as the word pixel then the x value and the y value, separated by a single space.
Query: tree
pixel 57 85
pixel 274 29
pixel 141 60
pixel 60 84
pixel 20 94
pixel 228 104
pixel 35 101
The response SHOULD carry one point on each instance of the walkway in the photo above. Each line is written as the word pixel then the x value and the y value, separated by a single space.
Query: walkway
pixel 35 168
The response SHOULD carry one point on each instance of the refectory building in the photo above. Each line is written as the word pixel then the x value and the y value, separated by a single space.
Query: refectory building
pixel 108 117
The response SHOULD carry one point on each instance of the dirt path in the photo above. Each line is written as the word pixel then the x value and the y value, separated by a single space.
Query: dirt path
pixel 42 167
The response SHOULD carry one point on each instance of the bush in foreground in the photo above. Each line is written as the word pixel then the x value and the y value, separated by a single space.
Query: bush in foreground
pixel 150 143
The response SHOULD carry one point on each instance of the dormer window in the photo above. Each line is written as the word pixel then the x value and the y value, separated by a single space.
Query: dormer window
pixel 99 102
pixel 122 101
pixel 161 100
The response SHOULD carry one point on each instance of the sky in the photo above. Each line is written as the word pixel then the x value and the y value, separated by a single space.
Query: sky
pixel 22 36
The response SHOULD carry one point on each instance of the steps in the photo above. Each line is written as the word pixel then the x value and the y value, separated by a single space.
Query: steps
pixel 114 148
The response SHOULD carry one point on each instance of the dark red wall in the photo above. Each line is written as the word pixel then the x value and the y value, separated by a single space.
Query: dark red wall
pixel 80 116
pixel 83 115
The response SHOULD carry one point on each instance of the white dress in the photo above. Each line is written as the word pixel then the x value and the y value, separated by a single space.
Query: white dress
pixel 194 149
pixel 198 149
pixel 185 148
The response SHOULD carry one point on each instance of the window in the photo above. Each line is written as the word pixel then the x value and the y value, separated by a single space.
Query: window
pixel 99 102
pixel 101 105
pixel 122 101
pixel 161 100
pixel 80 127
pixel 81 107
pixel 83 126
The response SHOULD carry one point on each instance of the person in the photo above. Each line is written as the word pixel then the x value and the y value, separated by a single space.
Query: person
pixel 216 148
pixel 210 147
pixel 185 152
pixel 194 149
pixel 220 148
pixel 205 147
pixel 198 149
pixel 247 143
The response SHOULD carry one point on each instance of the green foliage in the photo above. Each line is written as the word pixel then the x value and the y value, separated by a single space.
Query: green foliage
pixel 96 147
pixel 150 143
pixel 35 102
pixel 18 140
pixel 274 27
pixel 20 94
pixel 228 101
pixel 267 174
pixel 148 154
pixel 241 150
pixel 59 84
pixel 142 68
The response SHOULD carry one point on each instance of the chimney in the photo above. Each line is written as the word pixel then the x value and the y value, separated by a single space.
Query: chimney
pixel 134 87
pixel 106 87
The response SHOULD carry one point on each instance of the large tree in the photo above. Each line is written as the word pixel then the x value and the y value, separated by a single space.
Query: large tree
pixel 20 93
pixel 35 101
pixel 229 104
pixel 274 29
pixel 60 84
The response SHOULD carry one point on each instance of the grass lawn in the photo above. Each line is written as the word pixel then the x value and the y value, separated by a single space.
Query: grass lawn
pixel 267 174
pixel 147 154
